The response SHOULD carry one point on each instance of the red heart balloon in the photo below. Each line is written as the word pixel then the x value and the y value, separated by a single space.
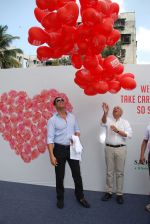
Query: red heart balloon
pixel 39 14
pixel 68 14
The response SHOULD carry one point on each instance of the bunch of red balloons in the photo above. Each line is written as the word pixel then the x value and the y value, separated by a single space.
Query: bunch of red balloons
pixel 83 41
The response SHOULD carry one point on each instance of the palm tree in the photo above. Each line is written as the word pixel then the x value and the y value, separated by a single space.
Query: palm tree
pixel 7 54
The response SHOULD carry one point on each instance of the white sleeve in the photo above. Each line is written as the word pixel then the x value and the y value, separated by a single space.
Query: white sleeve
pixel 50 132
pixel 146 136
pixel 128 129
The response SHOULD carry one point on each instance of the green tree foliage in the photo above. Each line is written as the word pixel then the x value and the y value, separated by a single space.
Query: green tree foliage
pixel 115 50
pixel 7 54
pixel 65 61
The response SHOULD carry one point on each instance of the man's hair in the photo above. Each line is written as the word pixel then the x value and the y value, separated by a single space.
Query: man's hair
pixel 54 102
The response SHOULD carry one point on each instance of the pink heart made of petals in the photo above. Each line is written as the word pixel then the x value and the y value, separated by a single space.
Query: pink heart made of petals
pixel 23 121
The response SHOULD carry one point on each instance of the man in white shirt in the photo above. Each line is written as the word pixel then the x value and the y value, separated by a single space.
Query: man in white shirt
pixel 117 132
pixel 146 144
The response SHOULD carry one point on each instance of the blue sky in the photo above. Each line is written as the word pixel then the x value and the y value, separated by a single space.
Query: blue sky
pixel 19 16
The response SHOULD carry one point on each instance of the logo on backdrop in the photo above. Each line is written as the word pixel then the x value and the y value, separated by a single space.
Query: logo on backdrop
pixel 140 167
pixel 142 100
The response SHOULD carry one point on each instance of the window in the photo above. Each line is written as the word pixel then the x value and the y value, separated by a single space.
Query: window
pixel 20 59
pixel 120 24
pixel 126 38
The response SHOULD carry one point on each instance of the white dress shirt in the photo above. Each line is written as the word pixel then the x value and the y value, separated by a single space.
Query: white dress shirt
pixel 113 138
pixel 147 136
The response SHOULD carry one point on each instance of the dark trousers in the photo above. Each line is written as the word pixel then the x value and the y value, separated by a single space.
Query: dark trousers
pixel 62 154
pixel 149 162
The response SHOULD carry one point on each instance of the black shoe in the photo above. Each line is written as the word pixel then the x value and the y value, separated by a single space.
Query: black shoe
pixel 60 204
pixel 119 199
pixel 106 197
pixel 84 203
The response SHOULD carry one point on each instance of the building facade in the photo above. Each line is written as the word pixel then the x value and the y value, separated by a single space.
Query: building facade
pixel 126 25
pixel 29 60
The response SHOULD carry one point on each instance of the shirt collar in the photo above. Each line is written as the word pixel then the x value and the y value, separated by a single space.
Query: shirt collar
pixel 57 114
pixel 117 120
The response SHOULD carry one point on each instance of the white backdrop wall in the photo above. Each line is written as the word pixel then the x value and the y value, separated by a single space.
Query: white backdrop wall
pixel 88 112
